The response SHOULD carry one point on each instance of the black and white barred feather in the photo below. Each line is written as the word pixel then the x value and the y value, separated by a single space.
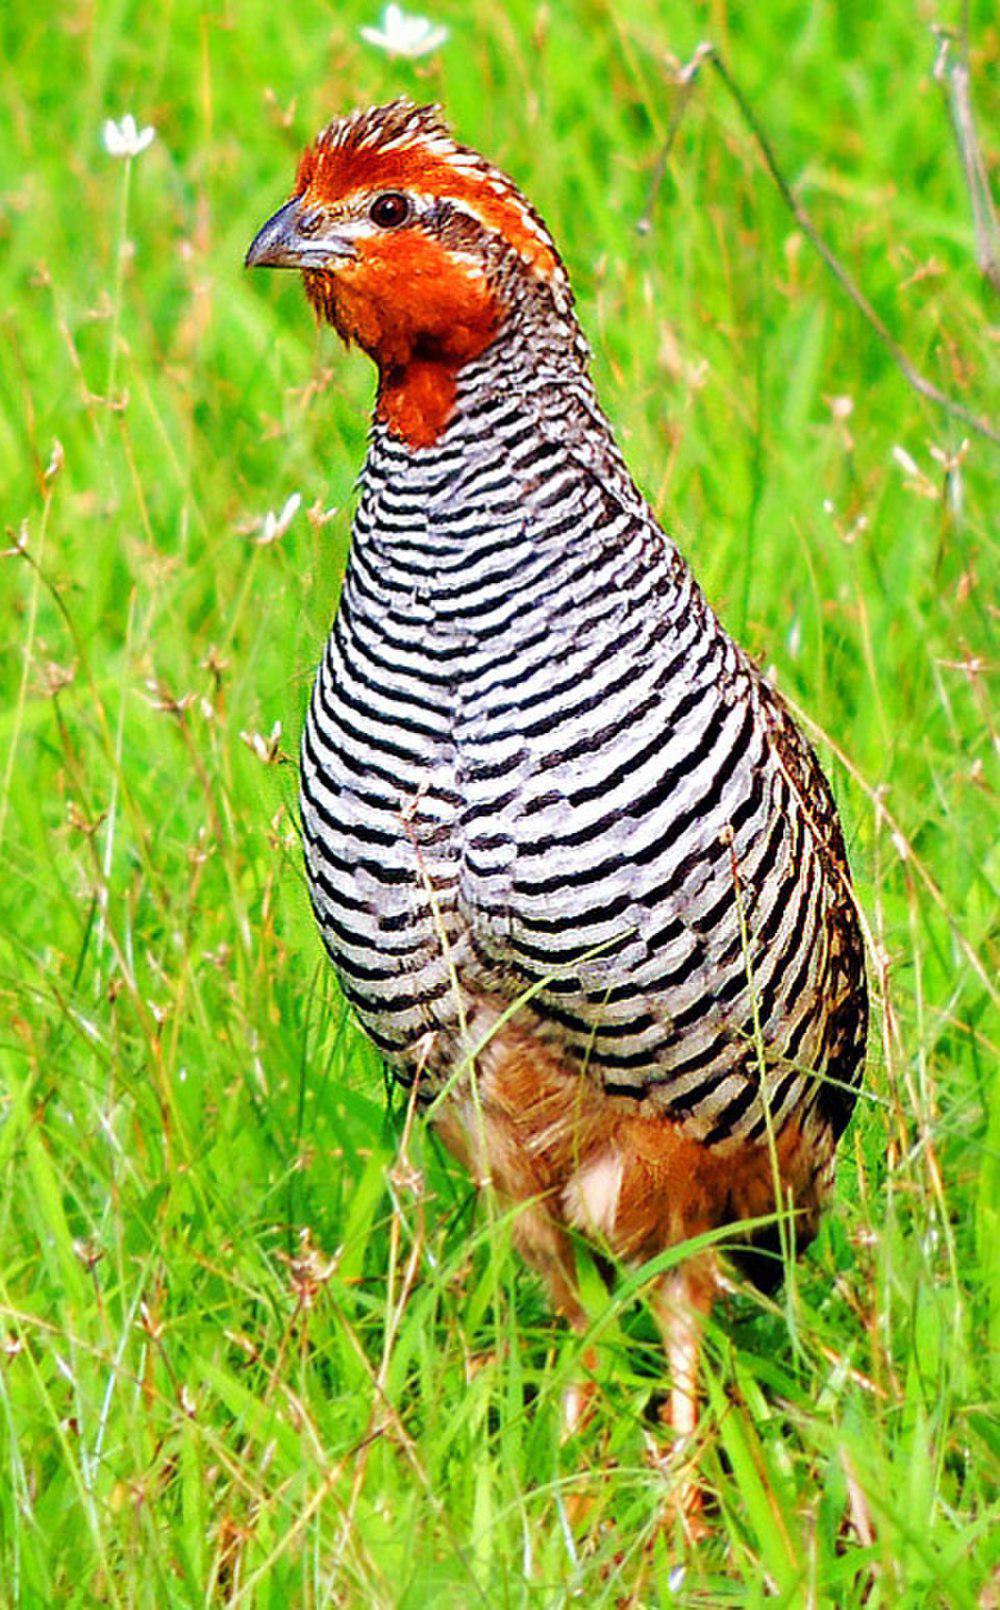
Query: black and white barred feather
pixel 537 773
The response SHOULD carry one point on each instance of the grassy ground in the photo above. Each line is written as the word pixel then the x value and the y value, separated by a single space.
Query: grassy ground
pixel 258 1345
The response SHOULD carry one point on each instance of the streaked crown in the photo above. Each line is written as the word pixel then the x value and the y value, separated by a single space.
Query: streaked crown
pixel 409 149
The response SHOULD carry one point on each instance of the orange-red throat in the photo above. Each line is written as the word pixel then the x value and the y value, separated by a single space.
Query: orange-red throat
pixel 420 311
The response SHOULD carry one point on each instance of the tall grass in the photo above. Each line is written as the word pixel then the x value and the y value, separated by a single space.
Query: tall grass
pixel 257 1343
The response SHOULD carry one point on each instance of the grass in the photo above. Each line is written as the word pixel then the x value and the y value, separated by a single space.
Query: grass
pixel 257 1344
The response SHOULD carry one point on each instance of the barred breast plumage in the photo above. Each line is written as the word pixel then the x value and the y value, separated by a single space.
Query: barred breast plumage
pixel 556 822
pixel 534 761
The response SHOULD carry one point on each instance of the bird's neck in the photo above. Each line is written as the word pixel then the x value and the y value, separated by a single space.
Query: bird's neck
pixel 530 340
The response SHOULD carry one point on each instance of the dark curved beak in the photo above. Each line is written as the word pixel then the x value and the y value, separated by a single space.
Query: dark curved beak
pixel 283 243
pixel 278 244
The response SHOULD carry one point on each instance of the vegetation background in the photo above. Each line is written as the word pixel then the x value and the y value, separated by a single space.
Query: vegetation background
pixel 258 1346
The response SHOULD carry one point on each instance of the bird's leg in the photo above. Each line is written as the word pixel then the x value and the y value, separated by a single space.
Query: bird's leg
pixel 496 1144
pixel 682 1300
pixel 547 1248
pixel 578 1397
pixel 544 1244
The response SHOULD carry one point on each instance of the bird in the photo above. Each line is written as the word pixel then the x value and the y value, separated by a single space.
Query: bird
pixel 579 872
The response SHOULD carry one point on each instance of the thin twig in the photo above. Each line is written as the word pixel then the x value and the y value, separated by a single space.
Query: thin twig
pixel 923 386
pixel 685 86
pixel 953 76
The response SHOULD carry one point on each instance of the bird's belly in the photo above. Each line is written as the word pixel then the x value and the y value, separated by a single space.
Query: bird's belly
pixel 636 1180
pixel 638 890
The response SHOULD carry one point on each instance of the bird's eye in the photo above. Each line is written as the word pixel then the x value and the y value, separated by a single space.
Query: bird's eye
pixel 390 210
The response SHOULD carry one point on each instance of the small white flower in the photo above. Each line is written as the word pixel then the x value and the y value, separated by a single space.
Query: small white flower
pixel 20 542
pixel 916 480
pixel 57 459
pixel 907 464
pixel 124 139
pixel 400 34
pixel 275 525
pixel 267 750
pixel 951 463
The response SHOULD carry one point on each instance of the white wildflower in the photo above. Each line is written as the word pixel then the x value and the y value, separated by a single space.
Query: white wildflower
pixel 400 34
pixel 124 139
pixel 56 460
pixel 915 479
pixel 19 542
pixel 841 408
pixel 275 525
pixel 951 463
pixel 318 516
pixel 267 750
pixel 906 463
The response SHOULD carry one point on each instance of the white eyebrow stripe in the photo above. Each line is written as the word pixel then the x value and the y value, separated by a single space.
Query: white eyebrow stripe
pixel 505 192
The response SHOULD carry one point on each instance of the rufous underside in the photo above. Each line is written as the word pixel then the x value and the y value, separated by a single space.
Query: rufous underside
pixel 583 1160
